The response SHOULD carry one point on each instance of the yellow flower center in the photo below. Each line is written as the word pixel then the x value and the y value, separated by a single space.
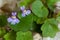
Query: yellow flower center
pixel 24 11
pixel 13 16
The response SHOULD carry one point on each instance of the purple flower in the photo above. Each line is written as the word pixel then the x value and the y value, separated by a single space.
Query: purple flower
pixel 26 12
pixel 14 13
pixel 23 15
pixel 13 20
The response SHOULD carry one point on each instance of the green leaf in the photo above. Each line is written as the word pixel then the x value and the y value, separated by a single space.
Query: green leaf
pixel 25 2
pixel 3 20
pixel 2 32
pixel 38 9
pixel 24 35
pixel 38 20
pixel 10 36
pixel 24 25
pixel 41 20
pixel 58 18
pixel 49 28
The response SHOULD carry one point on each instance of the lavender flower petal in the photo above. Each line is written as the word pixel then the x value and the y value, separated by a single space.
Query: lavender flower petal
pixel 22 8
pixel 23 14
pixel 17 20
pixel 28 12
pixel 9 19
pixel 13 20
pixel 14 13
pixel 13 23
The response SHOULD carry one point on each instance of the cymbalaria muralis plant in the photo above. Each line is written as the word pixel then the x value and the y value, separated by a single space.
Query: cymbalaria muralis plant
pixel 40 16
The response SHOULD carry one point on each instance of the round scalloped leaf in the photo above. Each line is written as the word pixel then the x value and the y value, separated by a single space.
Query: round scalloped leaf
pixel 10 36
pixel 38 9
pixel 49 28
pixel 24 35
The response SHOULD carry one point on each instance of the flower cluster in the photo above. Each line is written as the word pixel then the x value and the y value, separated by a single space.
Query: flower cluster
pixel 24 11
pixel 13 19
